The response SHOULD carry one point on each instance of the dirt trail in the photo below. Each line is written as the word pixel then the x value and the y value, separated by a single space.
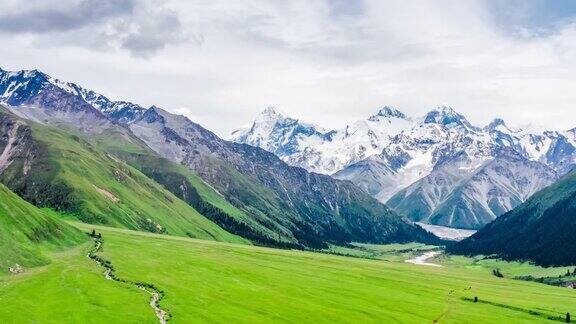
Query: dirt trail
pixel 156 295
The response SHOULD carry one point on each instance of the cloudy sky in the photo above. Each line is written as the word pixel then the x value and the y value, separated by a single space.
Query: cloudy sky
pixel 327 62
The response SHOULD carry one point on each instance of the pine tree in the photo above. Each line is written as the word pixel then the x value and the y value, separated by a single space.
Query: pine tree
pixel 567 317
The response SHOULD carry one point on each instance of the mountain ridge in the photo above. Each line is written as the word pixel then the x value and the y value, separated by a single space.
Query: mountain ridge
pixel 303 209
pixel 415 151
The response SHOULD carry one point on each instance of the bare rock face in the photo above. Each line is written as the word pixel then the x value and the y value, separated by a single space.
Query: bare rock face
pixel 16 143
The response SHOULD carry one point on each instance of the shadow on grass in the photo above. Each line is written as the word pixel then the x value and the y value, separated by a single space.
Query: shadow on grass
pixel 559 318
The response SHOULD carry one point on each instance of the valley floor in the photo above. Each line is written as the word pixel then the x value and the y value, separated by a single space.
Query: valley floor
pixel 206 281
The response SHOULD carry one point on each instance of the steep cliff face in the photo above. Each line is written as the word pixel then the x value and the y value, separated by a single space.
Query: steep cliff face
pixel 26 170
pixel 15 144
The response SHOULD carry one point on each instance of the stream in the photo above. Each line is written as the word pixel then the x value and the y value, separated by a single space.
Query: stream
pixel 156 295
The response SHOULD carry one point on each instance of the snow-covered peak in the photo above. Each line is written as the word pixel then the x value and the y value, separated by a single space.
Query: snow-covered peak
pixel 271 113
pixel 499 126
pixel 274 131
pixel 446 116
pixel 18 87
pixel 33 73
pixel 571 134
pixel 23 74
pixel 312 147
pixel 388 112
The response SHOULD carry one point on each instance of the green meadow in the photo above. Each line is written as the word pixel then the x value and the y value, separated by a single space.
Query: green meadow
pixel 207 281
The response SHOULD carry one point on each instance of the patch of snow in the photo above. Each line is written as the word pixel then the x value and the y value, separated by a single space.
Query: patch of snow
pixel 423 258
pixel 447 233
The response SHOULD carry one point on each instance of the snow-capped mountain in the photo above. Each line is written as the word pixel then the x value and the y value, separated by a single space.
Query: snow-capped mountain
pixel 413 153
pixel 277 133
pixel 317 150
pixel 62 102
pixel 283 205
pixel 438 168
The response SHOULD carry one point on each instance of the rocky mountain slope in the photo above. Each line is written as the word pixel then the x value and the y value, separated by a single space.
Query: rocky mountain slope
pixel 53 168
pixel 281 205
pixel 301 206
pixel 541 230
pixel 438 169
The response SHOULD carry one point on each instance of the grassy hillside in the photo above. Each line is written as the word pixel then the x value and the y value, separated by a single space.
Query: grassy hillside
pixel 218 282
pixel 251 221
pixel 542 229
pixel 28 233
pixel 245 207
pixel 59 170
pixel 185 184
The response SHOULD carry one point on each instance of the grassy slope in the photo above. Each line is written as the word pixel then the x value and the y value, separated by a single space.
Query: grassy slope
pixel 27 233
pixel 185 184
pixel 509 269
pixel 71 290
pixel 219 282
pixel 188 186
pixel 136 201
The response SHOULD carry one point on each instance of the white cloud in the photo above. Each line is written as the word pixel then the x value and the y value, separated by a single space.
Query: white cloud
pixel 325 61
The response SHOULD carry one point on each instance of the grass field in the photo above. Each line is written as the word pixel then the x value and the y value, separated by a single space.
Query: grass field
pixel 208 281
pixel 508 268
pixel 388 252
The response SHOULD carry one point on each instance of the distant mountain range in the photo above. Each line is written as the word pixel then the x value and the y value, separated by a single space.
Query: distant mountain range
pixel 437 169
pixel 75 150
